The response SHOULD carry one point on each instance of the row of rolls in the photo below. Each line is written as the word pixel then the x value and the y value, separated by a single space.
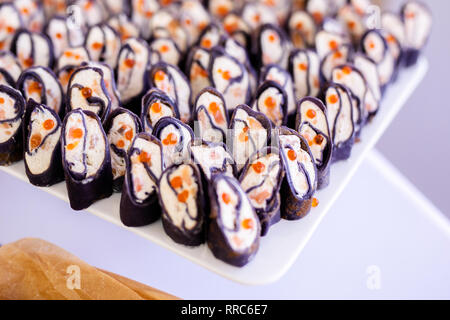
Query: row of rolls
pixel 220 118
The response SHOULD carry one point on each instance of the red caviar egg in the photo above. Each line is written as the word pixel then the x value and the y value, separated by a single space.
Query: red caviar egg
pixel 48 124
pixel 183 196
pixel 35 141
pixel 120 144
pixel 292 155
pixel 76 133
pixel 86 92
pixel 97 45
pixel 333 99
pixel 248 224
pixel 226 198
pixel 333 44
pixel 303 66
pixel 176 182
pixel 315 202
pixel 258 167
pixel 160 75
pixel 129 135
pixel 144 157
pixel 311 114
pixel 129 63
pixel 156 107
pixel 270 102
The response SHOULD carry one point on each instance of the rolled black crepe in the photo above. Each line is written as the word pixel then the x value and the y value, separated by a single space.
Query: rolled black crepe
pixel 10 69
pixel 41 53
pixel 369 70
pixel 261 179
pixel 175 137
pixel 304 69
pixel 210 116
pixel 375 46
pixel 197 71
pixel 68 61
pixel 329 40
pixel 87 90
pixel 103 44
pixel 283 78
pixel 42 145
pixel 12 108
pixel 238 29
pixel 169 79
pixel 110 82
pixel 132 73
pixel 312 124
pixel 167 49
pixel 349 76
pixel 300 182
pixel 139 203
pixel 418 22
pixel 10 13
pixel 41 85
pixel 121 127
pixel 210 36
pixel 250 131
pixel 228 76
pixel 302 29
pixel 272 46
pixel 334 58
pixel 61 34
pixel 353 17
pixel 86 159
pixel 271 100
pixel 155 105
pixel 182 202
pixel 234 229
pixel 341 119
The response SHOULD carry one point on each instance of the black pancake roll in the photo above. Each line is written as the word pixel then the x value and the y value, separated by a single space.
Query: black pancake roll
pixel 41 52
pixel 210 116
pixel 132 73
pixel 341 120
pixel 228 76
pixel 168 50
pixel 12 108
pixel 9 13
pixel 368 68
pixel 250 131
pixel 182 202
pixel 139 203
pixel 334 58
pixel 42 145
pixel 349 76
pixel 302 29
pixel 10 69
pixel 156 104
pixel 261 179
pixel 210 36
pixel 354 20
pixel 418 22
pixel 87 90
pixel 86 159
pixel 300 182
pixel 103 44
pixel 197 71
pixel 271 100
pixel 121 127
pixel 272 46
pixel 283 78
pixel 41 85
pixel 312 124
pixel 169 79
pixel 304 68
pixel 375 46
pixel 234 229
pixel 238 29
pixel 329 39
pixel 175 137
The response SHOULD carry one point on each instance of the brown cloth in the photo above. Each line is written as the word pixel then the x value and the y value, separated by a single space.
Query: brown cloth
pixel 37 269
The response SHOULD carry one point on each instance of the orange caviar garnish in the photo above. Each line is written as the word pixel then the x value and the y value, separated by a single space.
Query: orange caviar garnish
pixel 299 26
pixel 10 29
pixel 129 135
pixel 317 16
pixel 170 139
pixel 351 24
pixel 164 48
pixel 156 107
pixel 86 92
pixel 35 87
pixel 333 99
pixel 333 45
pixel 183 196
pixel 144 157
pixel 226 198
pixel 292 155
pixel 176 182
pixel 315 202
pixel 206 43
pixel 76 133
pixel 120 144
pixel 129 63
pixel 222 10
pixel 311 114
pixel 28 62
pixel 68 54
pixel 318 139
pixel 303 66
pixel 35 141
pixel 372 45
pixel 226 75
pixel 258 167
pixel 97 45
pixel 390 38
pixel 2 100
pixel 58 35
pixel 247 224
pixel 148 14
pixel 72 146
pixel 214 107
pixel 48 124
pixel 337 55
pixel 347 70
pixel 270 102
pixel 160 75
pixel 272 38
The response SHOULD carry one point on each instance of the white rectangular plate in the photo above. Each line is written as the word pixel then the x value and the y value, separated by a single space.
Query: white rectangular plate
pixel 282 246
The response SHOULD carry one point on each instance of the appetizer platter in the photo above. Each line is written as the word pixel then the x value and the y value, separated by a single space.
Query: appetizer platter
pixel 221 130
